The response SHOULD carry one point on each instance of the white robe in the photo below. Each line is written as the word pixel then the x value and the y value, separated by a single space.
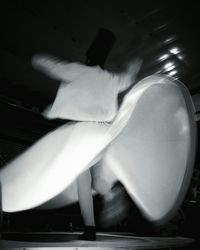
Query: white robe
pixel 86 93
pixel 149 146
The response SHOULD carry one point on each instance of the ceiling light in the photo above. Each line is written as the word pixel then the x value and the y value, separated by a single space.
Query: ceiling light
pixel 174 50
pixel 172 73
pixel 169 40
pixel 180 57
pixel 168 65
pixel 163 57
pixel 170 68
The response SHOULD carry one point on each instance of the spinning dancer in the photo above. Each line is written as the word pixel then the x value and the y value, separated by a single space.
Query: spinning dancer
pixel 148 142
pixel 86 94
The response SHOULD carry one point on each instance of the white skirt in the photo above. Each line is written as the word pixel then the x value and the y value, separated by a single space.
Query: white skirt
pixel 150 148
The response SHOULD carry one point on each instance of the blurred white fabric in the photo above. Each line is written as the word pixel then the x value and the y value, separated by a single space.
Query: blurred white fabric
pixel 149 146
pixel 86 93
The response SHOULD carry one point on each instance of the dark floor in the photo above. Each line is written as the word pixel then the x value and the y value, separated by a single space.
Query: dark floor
pixel 104 241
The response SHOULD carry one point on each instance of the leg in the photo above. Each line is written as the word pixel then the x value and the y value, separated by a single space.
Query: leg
pixel 84 183
pixel 85 197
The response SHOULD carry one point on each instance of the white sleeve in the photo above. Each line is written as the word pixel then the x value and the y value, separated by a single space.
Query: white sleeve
pixel 57 69
pixel 128 77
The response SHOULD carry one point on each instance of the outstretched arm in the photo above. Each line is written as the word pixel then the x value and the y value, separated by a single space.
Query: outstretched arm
pixel 57 69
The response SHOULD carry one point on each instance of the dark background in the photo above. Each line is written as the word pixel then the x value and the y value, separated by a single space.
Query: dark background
pixel 145 29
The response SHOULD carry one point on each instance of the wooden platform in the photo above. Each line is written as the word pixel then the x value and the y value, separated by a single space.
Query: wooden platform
pixel 53 241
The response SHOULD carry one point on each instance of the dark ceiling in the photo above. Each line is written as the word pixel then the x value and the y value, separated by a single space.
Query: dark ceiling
pixel 160 32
